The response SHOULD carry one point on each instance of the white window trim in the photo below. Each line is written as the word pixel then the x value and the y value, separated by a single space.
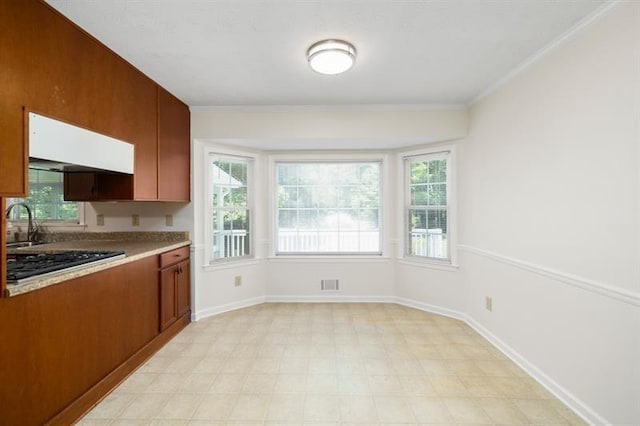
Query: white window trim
pixel 404 196
pixel 209 151
pixel 273 159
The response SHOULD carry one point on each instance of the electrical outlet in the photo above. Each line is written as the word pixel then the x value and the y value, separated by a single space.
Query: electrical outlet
pixel 237 280
pixel 168 220
pixel 488 303
pixel 100 220
pixel 135 220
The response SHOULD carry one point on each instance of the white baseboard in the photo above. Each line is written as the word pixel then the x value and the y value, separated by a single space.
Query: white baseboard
pixel 216 310
pixel 329 299
pixel 579 407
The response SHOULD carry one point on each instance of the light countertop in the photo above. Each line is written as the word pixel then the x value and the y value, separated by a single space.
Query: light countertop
pixel 135 248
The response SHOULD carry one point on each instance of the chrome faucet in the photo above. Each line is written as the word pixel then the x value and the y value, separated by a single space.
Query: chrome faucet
pixel 31 231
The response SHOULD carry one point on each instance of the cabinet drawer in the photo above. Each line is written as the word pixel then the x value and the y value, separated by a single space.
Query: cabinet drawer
pixel 174 256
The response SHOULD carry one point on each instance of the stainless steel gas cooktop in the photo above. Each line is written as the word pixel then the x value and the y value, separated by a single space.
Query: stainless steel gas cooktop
pixel 24 267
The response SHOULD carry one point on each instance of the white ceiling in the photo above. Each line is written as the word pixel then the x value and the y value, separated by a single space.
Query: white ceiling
pixel 252 52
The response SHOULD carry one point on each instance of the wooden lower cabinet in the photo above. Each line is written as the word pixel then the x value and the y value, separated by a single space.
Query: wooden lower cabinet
pixel 64 347
pixel 175 286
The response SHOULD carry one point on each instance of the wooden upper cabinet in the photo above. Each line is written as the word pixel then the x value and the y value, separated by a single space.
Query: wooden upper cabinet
pixel 174 148
pixel 51 66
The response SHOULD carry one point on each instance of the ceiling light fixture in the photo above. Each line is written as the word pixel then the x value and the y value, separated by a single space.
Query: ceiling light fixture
pixel 331 56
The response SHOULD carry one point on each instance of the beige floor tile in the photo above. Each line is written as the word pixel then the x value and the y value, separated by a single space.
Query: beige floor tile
pixel 197 383
pixel 296 351
pixel 385 385
pixel 290 383
pixel 166 383
pixel 326 384
pixel 464 368
pixel 294 366
pixel 237 366
pixel 157 364
pixel 265 366
pixel 209 365
pixel 322 365
pixel 250 407
pixel 360 364
pixel 94 422
pixel 496 368
pixel 481 387
pixel 131 422
pixel 259 383
pixel 221 350
pixel 137 382
pixel 145 406
pixel 227 383
pixel 393 409
pixel 270 350
pixel 321 408
pixel 540 411
pixel 186 364
pixel 430 410
pixel 354 384
pixel 180 406
pixel 449 386
pixel 435 367
pixel 358 409
pixel 169 422
pixel 572 418
pixel 466 411
pixel 503 411
pixel 514 387
pixel 350 366
pixel 379 366
pixel 111 406
pixel 417 386
pixel 215 407
pixel 407 367
pixel 286 408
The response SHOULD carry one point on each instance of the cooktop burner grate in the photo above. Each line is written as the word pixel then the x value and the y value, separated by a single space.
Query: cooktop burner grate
pixel 29 265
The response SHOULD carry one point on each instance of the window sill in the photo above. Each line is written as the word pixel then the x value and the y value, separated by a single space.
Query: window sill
pixel 229 264
pixel 428 264
pixel 328 259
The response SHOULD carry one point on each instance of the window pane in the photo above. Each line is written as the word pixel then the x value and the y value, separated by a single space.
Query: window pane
pixel 336 208
pixel 427 218
pixel 230 209
pixel 288 219
pixel 419 194
pixel 46 199
pixel 287 174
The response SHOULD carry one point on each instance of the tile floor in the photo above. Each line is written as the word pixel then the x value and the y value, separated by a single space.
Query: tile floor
pixel 329 364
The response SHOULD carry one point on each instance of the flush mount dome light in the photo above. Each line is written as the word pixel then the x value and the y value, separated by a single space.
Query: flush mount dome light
pixel 331 56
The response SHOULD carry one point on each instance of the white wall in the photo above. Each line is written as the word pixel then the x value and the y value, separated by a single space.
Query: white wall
pixel 152 216
pixel 284 279
pixel 291 128
pixel 548 207
pixel 549 216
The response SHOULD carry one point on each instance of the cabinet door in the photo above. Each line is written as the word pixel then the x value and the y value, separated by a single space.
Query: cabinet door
pixel 97 186
pixel 80 187
pixel 168 313
pixel 174 148
pixel 183 288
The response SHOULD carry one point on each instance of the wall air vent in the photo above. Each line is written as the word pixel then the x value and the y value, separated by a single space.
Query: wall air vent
pixel 329 285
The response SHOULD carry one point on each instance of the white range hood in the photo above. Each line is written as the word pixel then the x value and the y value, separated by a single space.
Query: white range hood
pixel 54 145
